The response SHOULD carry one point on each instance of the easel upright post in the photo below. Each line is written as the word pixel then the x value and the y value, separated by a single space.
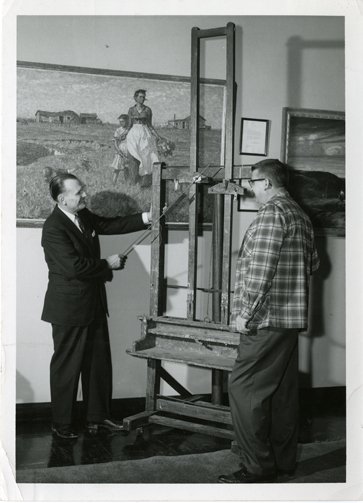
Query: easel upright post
pixel 227 241
pixel 193 191
pixel 157 248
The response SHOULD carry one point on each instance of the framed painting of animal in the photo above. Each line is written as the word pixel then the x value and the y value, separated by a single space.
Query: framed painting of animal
pixel 313 146
pixel 74 119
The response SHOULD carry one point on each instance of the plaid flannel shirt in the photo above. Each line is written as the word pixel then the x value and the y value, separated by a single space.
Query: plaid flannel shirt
pixel 274 264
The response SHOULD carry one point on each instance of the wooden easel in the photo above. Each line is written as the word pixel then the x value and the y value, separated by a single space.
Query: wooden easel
pixel 209 345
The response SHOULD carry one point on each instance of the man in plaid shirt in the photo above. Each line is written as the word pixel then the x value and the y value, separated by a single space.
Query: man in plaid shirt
pixel 270 307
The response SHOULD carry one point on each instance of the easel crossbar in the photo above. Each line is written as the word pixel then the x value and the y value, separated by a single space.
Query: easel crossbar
pixel 200 335
pixel 189 426
pixel 190 356
pixel 215 173
pixel 205 412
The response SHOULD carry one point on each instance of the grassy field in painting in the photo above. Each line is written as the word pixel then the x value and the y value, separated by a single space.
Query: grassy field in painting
pixel 87 151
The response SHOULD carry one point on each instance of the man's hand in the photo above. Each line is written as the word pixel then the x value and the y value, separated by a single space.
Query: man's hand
pixel 241 325
pixel 116 261
pixel 123 259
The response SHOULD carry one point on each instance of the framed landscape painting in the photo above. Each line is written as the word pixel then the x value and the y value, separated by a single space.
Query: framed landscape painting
pixel 313 145
pixel 66 121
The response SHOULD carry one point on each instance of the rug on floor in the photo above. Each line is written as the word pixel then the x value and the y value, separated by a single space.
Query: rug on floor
pixel 317 462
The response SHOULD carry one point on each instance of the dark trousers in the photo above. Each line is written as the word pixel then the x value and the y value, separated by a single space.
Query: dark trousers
pixel 81 352
pixel 263 395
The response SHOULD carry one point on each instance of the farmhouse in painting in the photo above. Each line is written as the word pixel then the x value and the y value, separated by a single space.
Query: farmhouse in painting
pixel 89 119
pixel 66 117
pixel 185 123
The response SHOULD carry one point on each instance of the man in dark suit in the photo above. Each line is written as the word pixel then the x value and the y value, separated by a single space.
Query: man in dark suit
pixel 76 305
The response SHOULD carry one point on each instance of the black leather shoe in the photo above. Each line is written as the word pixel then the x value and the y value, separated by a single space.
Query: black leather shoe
pixel 244 477
pixel 64 431
pixel 108 425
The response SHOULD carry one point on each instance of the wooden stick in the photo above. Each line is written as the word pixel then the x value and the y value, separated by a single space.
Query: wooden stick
pixel 148 231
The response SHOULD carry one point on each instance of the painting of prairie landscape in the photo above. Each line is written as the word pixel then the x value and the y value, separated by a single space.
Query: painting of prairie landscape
pixel 313 146
pixel 66 119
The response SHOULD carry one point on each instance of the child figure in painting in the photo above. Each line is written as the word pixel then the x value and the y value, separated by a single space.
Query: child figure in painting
pixel 119 139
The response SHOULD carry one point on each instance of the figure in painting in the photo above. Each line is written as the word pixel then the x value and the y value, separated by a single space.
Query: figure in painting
pixel 142 137
pixel 119 138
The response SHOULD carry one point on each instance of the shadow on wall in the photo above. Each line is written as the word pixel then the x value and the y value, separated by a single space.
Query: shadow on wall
pixel 24 392
pixel 128 297
pixel 296 46
pixel 316 311
pixel 317 328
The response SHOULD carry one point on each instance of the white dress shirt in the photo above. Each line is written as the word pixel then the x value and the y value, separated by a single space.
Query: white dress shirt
pixel 71 217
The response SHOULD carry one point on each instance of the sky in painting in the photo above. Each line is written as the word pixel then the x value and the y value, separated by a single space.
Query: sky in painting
pixel 110 96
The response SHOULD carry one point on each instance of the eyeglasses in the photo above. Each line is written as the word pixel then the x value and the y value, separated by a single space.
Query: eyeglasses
pixel 251 181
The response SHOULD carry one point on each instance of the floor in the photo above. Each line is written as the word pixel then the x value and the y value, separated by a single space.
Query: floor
pixel 37 448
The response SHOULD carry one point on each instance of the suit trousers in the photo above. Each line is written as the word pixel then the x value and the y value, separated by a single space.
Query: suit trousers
pixel 81 352
pixel 263 395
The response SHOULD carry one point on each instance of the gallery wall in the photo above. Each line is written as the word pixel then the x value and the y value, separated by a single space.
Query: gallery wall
pixel 280 61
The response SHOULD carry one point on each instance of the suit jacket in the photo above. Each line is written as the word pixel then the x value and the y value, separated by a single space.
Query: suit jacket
pixel 77 274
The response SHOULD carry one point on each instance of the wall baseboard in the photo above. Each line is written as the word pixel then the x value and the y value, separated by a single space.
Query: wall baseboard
pixel 313 402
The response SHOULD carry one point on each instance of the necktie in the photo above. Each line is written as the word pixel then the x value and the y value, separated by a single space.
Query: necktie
pixel 80 224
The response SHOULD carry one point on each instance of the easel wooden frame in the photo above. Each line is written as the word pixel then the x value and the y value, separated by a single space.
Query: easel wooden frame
pixel 209 345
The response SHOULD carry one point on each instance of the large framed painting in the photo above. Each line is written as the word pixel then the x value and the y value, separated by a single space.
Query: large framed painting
pixel 71 119
pixel 313 145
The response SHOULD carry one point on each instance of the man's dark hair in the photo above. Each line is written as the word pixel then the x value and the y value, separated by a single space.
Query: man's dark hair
pixel 275 170
pixel 56 185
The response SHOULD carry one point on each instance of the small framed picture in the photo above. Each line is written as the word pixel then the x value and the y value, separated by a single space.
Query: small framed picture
pixel 254 136
pixel 247 202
